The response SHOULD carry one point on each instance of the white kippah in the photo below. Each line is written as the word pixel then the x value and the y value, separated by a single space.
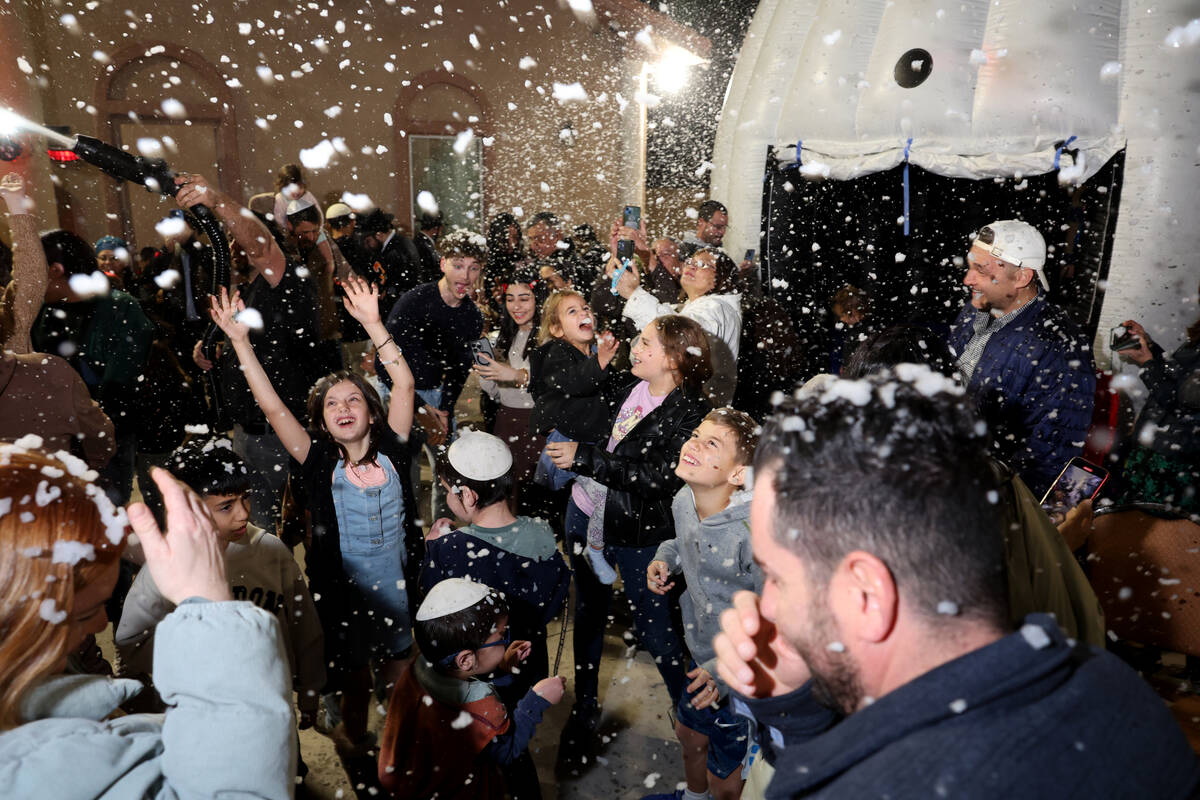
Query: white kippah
pixel 480 456
pixel 298 205
pixel 451 595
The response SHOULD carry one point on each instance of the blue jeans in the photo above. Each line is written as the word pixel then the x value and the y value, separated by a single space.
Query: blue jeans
pixel 652 622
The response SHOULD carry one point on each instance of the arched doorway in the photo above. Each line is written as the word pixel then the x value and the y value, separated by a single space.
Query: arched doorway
pixel 432 113
pixel 196 133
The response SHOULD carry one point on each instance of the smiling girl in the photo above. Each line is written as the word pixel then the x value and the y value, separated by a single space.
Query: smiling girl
pixel 623 505
pixel 354 463
pixel 507 378
pixel 708 294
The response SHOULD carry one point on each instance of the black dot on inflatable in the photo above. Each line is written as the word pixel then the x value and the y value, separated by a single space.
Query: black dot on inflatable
pixel 913 68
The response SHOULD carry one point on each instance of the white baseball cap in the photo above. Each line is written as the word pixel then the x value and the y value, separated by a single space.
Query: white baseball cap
pixel 1019 244
pixel 479 456
pixel 450 596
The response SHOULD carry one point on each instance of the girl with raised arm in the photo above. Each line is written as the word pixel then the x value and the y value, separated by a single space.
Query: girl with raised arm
pixel 353 462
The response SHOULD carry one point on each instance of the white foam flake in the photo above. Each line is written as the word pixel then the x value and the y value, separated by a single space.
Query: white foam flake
pixel 651 779
pixel 463 719
pixel 463 140
pixel 570 92
pixel 167 278
pixel 170 226
pixel 251 318
pixel 49 611
pixel 85 286
pixel 46 493
pixel 958 706
pixel 836 647
pixel 30 441
pixel 68 552
pixel 318 156
pixel 857 392
pixel 832 37
pixel 948 608
pixel 1035 636
pixel 426 202
pixel 173 108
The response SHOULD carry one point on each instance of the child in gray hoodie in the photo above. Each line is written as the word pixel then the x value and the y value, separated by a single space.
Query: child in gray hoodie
pixel 712 550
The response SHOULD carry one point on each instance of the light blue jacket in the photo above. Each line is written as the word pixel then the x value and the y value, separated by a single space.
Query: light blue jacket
pixel 229 732
pixel 715 558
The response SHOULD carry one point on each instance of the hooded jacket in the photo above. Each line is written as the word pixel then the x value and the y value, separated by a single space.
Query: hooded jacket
pixel 715 558
pixel 229 732
pixel 1030 715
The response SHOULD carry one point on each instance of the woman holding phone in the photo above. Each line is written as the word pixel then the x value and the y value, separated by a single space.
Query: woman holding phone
pixel 505 378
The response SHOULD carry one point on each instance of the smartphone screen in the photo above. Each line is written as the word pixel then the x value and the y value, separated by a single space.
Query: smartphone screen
pixel 1079 481
pixel 624 249
pixel 632 218
pixel 749 255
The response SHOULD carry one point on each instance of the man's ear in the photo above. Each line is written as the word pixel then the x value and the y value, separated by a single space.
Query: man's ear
pixel 465 661
pixel 468 497
pixel 865 596
pixel 56 270
pixel 1027 276
pixel 738 476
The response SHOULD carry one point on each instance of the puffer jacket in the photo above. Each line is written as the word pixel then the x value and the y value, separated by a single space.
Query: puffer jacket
pixel 1035 386
pixel 640 472
pixel 230 731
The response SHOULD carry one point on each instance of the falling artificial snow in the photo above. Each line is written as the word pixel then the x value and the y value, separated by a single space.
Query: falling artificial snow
pixel 94 285
pixel 167 278
pixel 251 318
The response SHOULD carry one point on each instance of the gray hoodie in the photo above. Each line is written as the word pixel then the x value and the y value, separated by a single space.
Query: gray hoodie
pixel 229 730
pixel 716 561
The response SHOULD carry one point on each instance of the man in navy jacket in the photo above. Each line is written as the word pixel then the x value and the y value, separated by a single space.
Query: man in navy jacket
pixel 1026 364
pixel 879 661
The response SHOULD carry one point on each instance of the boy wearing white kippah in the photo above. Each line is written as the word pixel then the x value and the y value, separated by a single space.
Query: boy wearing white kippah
pixel 517 556
pixel 447 733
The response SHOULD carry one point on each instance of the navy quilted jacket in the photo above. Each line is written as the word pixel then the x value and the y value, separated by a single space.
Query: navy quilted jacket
pixel 1035 387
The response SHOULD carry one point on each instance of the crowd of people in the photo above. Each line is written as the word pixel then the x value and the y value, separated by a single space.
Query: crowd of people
pixel 846 581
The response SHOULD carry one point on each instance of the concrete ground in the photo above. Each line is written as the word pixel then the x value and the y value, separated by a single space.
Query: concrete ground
pixel 638 753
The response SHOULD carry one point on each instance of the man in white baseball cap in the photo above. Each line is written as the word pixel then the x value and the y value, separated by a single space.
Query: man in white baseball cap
pixel 1025 361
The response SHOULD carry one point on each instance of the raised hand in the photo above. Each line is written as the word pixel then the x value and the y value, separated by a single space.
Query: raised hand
pixel 224 311
pixel 752 657
pixel 13 188
pixel 188 561
pixel 361 300
pixel 606 348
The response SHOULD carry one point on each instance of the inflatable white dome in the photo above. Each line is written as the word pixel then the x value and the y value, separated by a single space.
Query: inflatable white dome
pixel 986 89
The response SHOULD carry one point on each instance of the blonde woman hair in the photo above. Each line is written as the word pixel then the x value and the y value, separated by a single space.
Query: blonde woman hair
pixel 550 313
pixel 55 531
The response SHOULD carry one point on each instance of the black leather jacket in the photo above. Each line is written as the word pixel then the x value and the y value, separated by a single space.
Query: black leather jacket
pixel 640 472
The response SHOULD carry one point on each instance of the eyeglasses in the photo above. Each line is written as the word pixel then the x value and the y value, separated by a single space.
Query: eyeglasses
pixel 503 641
pixel 700 264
